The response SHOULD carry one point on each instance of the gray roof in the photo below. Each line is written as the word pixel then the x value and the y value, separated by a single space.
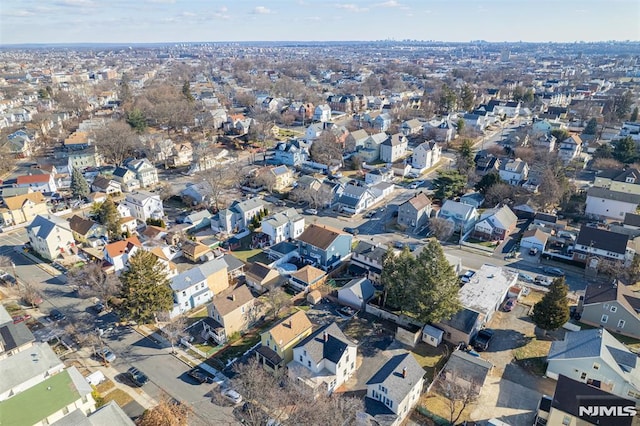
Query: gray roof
pixel 214 265
pixel 27 364
pixel 14 335
pixel 602 239
pixel 232 262
pixel 361 287
pixel 331 349
pixel 247 205
pixel 501 217
pixel 187 278
pixel 138 197
pixel 283 217
pixel 608 194
pixel 109 414
pixel 4 315
pixel 196 217
pixel 464 320
pixel 391 377
pixel 467 367
pixel 371 251
pixel 42 226
pixel 452 207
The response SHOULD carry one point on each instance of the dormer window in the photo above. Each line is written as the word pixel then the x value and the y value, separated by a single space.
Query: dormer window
pixel 630 179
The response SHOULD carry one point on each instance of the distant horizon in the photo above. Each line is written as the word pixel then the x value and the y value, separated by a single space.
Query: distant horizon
pixel 26 22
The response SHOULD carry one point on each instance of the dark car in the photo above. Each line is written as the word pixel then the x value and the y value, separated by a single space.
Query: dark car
pixel 137 376
pixel 200 376
pixel 56 315
pixel 482 340
pixel 99 307
pixel 509 305
pixel 352 231
pixel 554 272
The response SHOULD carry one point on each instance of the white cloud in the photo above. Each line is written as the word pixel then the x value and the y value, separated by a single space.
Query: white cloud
pixel 223 9
pixel 312 18
pixel 162 1
pixel 261 10
pixel 351 7
pixel 390 3
pixel 18 13
pixel 188 14
pixel 76 3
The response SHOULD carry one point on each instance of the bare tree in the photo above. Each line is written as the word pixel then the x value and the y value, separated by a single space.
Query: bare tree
pixel 326 149
pixel 442 228
pixel 92 281
pixel 551 192
pixel 175 330
pixel 251 380
pixel 7 159
pixel 168 412
pixel 30 294
pixel 498 193
pixel 459 393
pixel 277 300
pixel 264 178
pixel 218 179
pixel 116 141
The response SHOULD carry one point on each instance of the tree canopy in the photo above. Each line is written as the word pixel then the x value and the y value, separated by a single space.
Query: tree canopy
pixel 552 312
pixel 425 286
pixel 145 289
pixel 487 182
pixel 591 127
pixel 449 183
pixel 79 185
pixel 326 149
pixel 109 217
pixel 625 150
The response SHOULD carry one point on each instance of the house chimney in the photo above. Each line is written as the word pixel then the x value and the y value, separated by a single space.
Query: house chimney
pixel 404 372
pixel 233 297
pixel 325 336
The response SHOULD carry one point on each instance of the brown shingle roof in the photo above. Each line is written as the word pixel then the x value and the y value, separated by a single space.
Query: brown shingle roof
pixel 320 236
pixel 290 328
pixel 419 201
pixel 119 247
pixel 80 225
pixel 258 270
pixel 608 293
pixel 541 236
pixel 194 249
pixel 15 203
pixel 309 274
pixel 231 299
pixel 28 179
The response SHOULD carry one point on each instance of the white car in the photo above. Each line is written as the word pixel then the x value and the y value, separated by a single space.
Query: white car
pixel 232 396
pixel 311 211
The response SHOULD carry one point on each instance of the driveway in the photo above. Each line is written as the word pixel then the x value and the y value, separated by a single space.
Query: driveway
pixel 505 400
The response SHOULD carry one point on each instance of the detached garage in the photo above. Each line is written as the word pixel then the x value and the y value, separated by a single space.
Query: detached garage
pixel 534 238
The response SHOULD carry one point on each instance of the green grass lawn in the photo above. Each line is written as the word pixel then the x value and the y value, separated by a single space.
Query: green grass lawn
pixel 430 358
pixel 532 356
pixel 39 401
pixel 244 255
pixel 119 396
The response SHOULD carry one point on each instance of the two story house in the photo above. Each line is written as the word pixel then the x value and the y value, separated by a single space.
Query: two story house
pixel 595 245
pixel 87 231
pixel 464 216
pixel 495 224
pixel 412 127
pixel 190 290
pixel 606 203
pixel 367 260
pixel 596 357
pixel 282 226
pixel 233 310
pixel 145 172
pixel 126 178
pixel 277 343
pixel 394 389
pixel 324 246
pixel 393 148
pixel 425 156
pixel 84 158
pixel 612 306
pixel 44 182
pixel 627 180
pixel 370 151
pixel 570 148
pixel 144 205
pixel 514 171
pixel 117 254
pixel 322 113
pixel 23 208
pixel 237 216
pixel 105 185
pixel 355 199
pixel 415 212
pixel 292 153
pixel 50 236
pixel 324 360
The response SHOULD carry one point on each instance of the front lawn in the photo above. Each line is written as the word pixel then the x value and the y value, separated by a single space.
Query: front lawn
pixel 532 356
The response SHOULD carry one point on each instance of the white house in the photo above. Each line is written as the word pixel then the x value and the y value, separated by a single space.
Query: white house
pixel 356 293
pixel 570 148
pixel 604 203
pixel 50 236
pixel 322 113
pixel 514 171
pixel 43 182
pixel 393 148
pixel 355 199
pixel 146 173
pixel 118 253
pixel 324 360
pixel 283 226
pixel 394 389
pixel 190 290
pixel 462 215
pixel 425 156
pixel 144 205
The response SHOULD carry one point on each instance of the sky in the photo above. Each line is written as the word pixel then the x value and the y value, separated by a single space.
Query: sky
pixel 152 21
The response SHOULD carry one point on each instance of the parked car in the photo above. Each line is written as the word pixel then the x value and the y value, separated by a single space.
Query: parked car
pixel 105 354
pixel 466 277
pixel 311 211
pixel 99 307
pixel 483 338
pixel 21 318
pixel 137 376
pixel 370 214
pixel 542 280
pixel 200 376
pixel 509 304
pixel 556 272
pixel 56 315
pixel 414 185
pixel 525 277
pixel 533 251
pixel 232 395
pixel 350 230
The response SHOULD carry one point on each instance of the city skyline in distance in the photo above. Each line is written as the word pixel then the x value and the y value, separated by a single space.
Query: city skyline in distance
pixel 176 21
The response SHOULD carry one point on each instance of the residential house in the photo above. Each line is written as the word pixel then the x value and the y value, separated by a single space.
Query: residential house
pixel 534 239
pixel 14 338
pixel 197 220
pixel 411 127
pixel 277 343
pixel 221 272
pixel 238 215
pixel 475 121
pixel 545 142
pixel 322 113
pixel 84 158
pixel 393 148
pixel 425 156
pixel 370 152
pixel 144 205
pixel 612 306
pixel 486 163
pixel 18 370
pixel 356 293
pixel 627 180
pixel 145 172
pixel 281 177
pixel 190 290
pixel 467 371
pixel 606 203
pixel 233 311
pixel 462 215
pixel 117 254
pixel 495 224
pixel 595 245
pixel 324 360
pixel 261 277
pixel 194 193
pixel 307 278
pixel 23 208
pixel 126 178
pixel 291 153
pixel 394 390
pixel 282 226
pixel 415 212
pixel 50 236
pixel 514 171
pixel 378 175
pixel 355 199
pixel 563 408
pixel 315 130
pixel 475 199
pixel 181 155
pixel 37 182
pixel 570 148
pixel 87 231
pixel 195 251
pixel 442 131
pixel 367 260
pixel 105 185
pixel 356 140
pixel 595 357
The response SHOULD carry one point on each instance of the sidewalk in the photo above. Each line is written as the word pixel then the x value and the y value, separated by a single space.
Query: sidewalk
pixel 40 263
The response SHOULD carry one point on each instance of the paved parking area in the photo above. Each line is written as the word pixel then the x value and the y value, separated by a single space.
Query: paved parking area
pixel 505 400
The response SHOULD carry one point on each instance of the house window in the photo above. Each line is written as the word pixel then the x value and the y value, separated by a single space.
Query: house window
pixel 184 293
pixel 605 306
pixel 309 364
pixel 604 319
pixel 613 309
pixel 305 352
pixel 583 376
pixel 596 366
pixel 621 324
pixel 300 358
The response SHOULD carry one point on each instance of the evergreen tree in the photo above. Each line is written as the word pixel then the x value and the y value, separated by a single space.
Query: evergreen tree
pixel 625 150
pixel 467 98
pixel 186 91
pixel 137 120
pixel 487 182
pixel 448 183
pixel 145 289
pixel 465 158
pixel 591 127
pixel 552 312
pixel 109 217
pixel 634 114
pixel 79 185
